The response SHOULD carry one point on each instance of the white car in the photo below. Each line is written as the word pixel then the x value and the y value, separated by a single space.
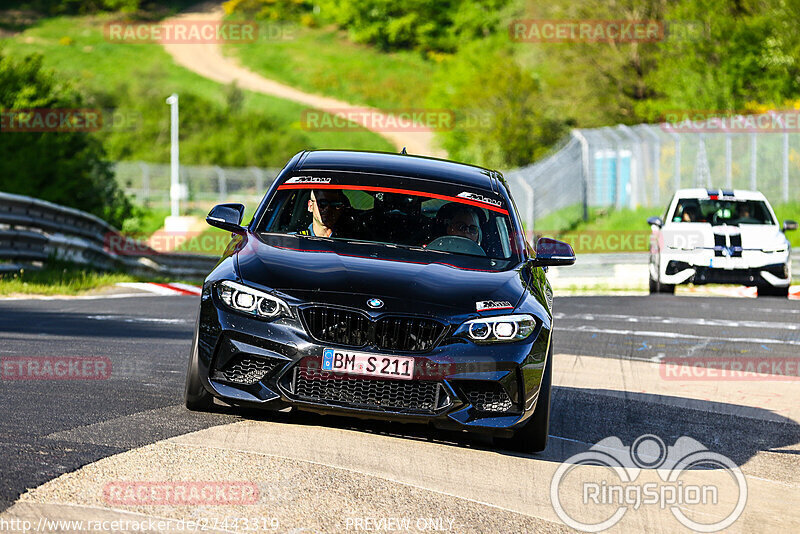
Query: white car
pixel 711 236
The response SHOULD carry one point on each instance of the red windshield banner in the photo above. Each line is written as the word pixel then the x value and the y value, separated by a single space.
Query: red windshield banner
pixel 488 204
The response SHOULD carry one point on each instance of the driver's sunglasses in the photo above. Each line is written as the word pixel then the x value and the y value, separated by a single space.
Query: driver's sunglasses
pixel 469 228
pixel 325 204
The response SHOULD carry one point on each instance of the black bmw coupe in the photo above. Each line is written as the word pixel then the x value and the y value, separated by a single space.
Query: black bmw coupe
pixel 383 286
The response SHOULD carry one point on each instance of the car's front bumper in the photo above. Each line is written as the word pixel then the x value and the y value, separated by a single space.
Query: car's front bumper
pixel 456 385
pixel 753 268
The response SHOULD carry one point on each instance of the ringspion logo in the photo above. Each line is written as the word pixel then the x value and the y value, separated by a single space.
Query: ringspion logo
pixel 705 491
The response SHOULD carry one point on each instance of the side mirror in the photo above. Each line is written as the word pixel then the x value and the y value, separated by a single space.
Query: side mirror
pixel 227 217
pixel 553 252
pixel 655 221
pixel 789 225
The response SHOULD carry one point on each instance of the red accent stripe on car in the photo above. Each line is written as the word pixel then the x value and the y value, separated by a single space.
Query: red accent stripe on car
pixel 394 190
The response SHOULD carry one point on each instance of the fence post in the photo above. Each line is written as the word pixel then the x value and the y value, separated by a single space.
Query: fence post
pixel 753 161
pixel 677 164
pixel 728 160
pixel 656 155
pixel 145 182
pixel 222 184
pixel 259 180
pixel 584 171
pixel 618 167
pixel 786 166
pixel 637 164
pixel 530 212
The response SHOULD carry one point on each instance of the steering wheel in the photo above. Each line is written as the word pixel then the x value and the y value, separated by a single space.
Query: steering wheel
pixel 457 244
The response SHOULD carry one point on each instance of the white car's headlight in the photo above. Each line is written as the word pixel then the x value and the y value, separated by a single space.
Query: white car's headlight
pixel 774 249
pixel 498 329
pixel 251 301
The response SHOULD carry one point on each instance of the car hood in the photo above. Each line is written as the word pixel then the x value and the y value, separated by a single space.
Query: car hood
pixel 333 272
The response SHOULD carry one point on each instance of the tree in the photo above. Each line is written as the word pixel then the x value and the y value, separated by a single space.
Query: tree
pixel 65 167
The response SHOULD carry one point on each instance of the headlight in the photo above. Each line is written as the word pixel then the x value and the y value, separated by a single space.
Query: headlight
pixel 501 328
pixel 773 249
pixel 252 301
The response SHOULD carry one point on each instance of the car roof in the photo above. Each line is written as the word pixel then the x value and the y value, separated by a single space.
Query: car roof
pixel 440 170
pixel 702 192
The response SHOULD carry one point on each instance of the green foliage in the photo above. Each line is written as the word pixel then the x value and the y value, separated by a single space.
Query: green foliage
pixel 59 7
pixel 65 167
pixel 426 25
pixel 210 133
pixel 500 122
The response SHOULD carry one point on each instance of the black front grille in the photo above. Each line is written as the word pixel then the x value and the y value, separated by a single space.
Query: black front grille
pixel 413 396
pixel 488 397
pixel 354 329
pixel 246 370
pixel 337 326
pixel 410 334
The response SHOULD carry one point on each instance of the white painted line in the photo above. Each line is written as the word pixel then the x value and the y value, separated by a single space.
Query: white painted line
pixel 150 288
pixel 676 335
pixel 79 297
pixel 678 320
pixel 129 319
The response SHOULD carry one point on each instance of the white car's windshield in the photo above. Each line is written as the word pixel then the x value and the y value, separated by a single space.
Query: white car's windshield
pixel 722 211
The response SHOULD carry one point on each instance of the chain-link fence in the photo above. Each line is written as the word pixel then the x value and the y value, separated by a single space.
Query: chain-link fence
pixel 149 183
pixel 643 165
pixel 619 166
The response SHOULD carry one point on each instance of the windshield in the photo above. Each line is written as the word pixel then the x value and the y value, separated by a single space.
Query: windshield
pixel 453 221
pixel 727 211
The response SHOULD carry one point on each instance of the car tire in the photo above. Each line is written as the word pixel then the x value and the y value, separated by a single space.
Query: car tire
pixel 657 287
pixel 195 396
pixel 667 288
pixel 769 291
pixel 532 437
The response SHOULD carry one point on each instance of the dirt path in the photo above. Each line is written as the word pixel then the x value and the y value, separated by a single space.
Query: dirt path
pixel 207 60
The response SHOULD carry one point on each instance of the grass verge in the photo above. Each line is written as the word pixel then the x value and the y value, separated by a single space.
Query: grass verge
pixel 325 62
pixel 76 48
pixel 64 280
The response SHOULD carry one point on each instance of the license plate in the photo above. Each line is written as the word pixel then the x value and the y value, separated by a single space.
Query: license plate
pixel 360 363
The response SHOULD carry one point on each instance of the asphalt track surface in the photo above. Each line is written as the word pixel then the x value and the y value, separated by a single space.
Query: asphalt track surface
pixel 49 428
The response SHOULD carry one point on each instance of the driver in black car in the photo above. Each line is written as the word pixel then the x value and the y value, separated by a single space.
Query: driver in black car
pixel 460 220
pixel 327 208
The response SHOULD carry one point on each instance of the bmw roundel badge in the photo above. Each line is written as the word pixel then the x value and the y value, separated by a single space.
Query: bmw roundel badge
pixel 375 303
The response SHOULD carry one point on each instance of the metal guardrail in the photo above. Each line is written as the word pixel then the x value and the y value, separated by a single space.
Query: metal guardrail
pixel 34 231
